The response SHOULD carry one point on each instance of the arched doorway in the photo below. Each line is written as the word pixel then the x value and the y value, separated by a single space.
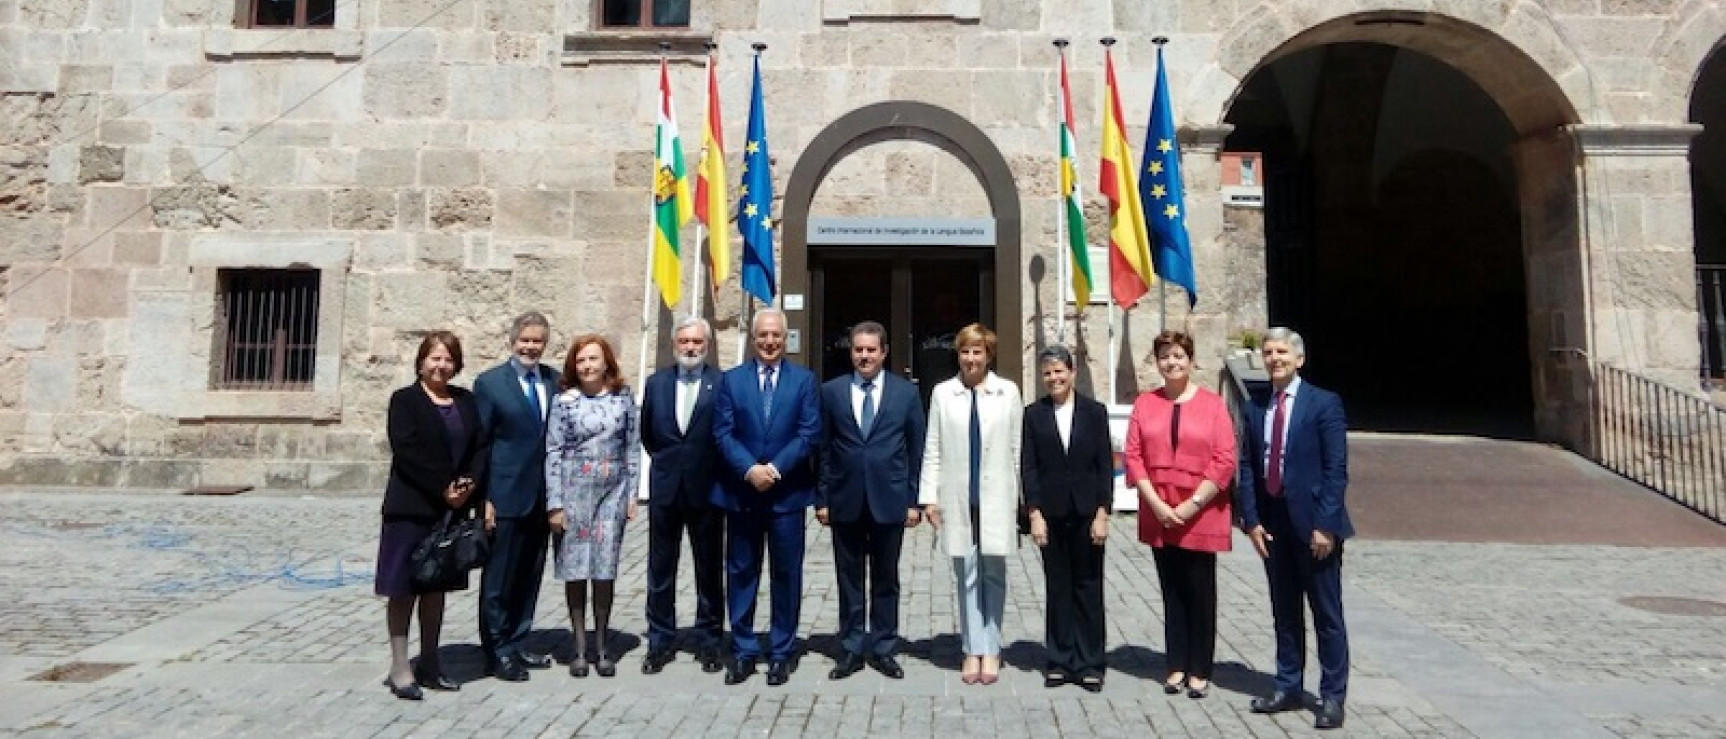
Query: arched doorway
pixel 1396 238
pixel 1708 204
pixel 905 285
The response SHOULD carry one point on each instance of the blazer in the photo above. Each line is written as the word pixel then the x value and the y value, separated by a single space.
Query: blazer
pixel 420 463
pixel 1077 479
pixel 683 461
pixel 515 476
pixel 1206 452
pixel 873 477
pixel 945 479
pixel 1315 463
pixel 745 438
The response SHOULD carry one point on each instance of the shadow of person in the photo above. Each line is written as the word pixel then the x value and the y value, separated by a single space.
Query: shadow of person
pixel 1024 655
pixel 461 663
pixel 1146 664
pixel 941 652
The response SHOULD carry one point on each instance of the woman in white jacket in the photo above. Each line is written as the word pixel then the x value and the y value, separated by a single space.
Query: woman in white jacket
pixel 970 491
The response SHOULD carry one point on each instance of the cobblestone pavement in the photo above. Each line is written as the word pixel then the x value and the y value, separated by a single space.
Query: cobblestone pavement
pixel 254 616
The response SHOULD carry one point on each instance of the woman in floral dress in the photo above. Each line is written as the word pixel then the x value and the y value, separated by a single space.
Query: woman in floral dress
pixel 591 445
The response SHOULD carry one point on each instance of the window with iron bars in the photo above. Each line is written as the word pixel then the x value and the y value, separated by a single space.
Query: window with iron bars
pixel 267 329
pixel 285 13
pixel 642 13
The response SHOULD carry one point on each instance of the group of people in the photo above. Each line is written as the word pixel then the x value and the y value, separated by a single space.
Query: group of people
pixel 739 457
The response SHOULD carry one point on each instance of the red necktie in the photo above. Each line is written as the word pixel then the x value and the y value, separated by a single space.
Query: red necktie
pixel 1274 468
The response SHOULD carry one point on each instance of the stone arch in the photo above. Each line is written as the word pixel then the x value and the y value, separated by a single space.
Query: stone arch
pixel 1695 34
pixel 1512 50
pixel 899 120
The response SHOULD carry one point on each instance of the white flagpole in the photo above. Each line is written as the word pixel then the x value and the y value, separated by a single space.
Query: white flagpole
pixel 697 287
pixel 1063 260
pixel 647 334
pixel 1114 359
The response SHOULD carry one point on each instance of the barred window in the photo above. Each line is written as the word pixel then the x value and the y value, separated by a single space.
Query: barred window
pixel 285 13
pixel 267 328
pixel 643 13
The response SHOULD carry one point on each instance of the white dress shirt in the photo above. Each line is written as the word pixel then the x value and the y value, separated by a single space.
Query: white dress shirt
pixel 857 396
pixel 1288 415
pixel 1064 422
pixel 688 387
pixel 538 386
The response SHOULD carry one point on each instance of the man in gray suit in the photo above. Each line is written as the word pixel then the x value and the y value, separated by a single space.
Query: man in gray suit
pixel 513 398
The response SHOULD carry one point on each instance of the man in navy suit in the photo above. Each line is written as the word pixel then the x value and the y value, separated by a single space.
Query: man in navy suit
pixel 677 431
pixel 1293 472
pixel 871 456
pixel 766 423
pixel 513 398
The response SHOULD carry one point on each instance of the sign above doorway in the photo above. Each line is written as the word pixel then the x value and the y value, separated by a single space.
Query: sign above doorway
pixel 901 232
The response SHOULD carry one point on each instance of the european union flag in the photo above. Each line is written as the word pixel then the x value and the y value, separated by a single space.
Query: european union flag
pixel 1160 191
pixel 755 204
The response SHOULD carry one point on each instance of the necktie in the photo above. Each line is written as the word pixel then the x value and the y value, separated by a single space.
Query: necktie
pixel 868 419
pixel 686 407
pixel 533 396
pixel 976 455
pixel 1274 468
pixel 767 393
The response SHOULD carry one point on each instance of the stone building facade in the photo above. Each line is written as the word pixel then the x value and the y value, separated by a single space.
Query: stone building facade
pixel 448 163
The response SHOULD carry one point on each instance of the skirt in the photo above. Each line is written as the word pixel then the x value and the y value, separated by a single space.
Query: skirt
pixel 396 544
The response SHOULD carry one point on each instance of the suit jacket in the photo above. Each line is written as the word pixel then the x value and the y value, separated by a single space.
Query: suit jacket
pixel 1315 463
pixel 682 460
pixel 946 475
pixel 873 477
pixel 420 463
pixel 515 477
pixel 745 438
pixel 1073 480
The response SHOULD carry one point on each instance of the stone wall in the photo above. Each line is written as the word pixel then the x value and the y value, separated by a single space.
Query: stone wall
pixel 447 163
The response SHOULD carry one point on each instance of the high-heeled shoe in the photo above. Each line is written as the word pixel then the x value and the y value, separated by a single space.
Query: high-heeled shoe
pixel 988 676
pixel 605 666
pixel 408 692
pixel 578 666
pixel 1091 684
pixel 435 680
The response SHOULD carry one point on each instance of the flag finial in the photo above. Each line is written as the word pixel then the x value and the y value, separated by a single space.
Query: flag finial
pixel 758 47
pixel 1061 43
pixel 711 45
pixel 1160 40
pixel 1107 41
pixel 665 47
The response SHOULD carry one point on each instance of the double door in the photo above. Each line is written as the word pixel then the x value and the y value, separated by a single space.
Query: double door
pixel 922 295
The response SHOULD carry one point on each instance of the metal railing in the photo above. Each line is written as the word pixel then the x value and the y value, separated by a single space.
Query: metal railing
pixel 1711 319
pixel 1660 436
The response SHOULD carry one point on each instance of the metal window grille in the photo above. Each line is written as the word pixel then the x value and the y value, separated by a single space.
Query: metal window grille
pixel 268 329
pixel 643 13
pixel 1711 320
pixel 286 13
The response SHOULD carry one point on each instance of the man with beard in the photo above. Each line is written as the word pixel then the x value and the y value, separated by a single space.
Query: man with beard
pixel 677 431
pixel 513 398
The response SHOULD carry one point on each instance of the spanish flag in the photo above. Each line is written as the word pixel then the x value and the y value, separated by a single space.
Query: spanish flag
pixel 1129 246
pixel 672 205
pixel 710 185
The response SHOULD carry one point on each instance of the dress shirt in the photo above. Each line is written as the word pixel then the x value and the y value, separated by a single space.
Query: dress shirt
pixel 761 374
pixel 538 386
pixel 1288 415
pixel 857 395
pixel 1064 422
pixel 688 386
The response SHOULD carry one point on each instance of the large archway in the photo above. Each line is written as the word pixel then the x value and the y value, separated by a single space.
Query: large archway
pixel 1708 206
pixel 948 131
pixel 1397 236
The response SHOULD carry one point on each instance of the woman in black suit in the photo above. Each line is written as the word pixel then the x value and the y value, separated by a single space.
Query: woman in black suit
pixel 436 455
pixel 1067 466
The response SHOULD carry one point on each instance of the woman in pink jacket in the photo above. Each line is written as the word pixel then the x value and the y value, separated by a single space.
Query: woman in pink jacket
pixel 1180 454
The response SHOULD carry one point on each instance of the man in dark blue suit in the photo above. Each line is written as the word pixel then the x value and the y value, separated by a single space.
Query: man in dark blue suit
pixel 1293 473
pixel 766 423
pixel 677 431
pixel 513 398
pixel 871 456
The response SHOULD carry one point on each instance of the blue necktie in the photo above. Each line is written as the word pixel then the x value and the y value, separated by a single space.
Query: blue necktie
pixel 868 407
pixel 976 456
pixel 533 396
pixel 767 394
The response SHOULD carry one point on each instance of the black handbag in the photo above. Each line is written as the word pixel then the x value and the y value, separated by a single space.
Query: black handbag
pixel 443 559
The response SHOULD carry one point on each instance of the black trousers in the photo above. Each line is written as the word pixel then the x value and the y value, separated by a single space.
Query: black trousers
pixel 1189 581
pixel 666 525
pixel 1073 574
pixel 866 550
pixel 509 585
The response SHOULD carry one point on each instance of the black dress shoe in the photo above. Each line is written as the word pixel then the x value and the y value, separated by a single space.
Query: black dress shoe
pixel 1091 684
pixel 434 680
pixel 509 670
pixel 533 661
pixel 1329 715
pixel 887 665
pixel 1277 702
pixel 778 672
pixel 849 664
pixel 739 670
pixel 408 692
pixel 710 661
pixel 656 660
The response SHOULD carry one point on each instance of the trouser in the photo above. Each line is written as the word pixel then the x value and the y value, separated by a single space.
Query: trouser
pixel 1073 576
pixel 982 584
pixel 666 525
pixel 1189 581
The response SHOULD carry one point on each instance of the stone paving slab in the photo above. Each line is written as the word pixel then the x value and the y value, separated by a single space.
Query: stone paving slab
pixel 253 616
